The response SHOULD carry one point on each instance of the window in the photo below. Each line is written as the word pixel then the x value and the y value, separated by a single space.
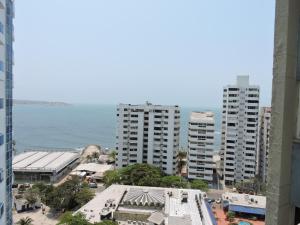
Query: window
pixel 1 103
pixel 1 27
pixel 1 139
pixel 1 209
pixel 1 175
pixel 1 66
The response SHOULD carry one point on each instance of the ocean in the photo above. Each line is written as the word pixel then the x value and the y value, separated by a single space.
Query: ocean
pixel 77 126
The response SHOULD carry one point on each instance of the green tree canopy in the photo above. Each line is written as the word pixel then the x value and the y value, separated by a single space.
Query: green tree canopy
pixel 141 175
pixel 32 196
pixel 199 184
pixel 173 181
pixel 77 219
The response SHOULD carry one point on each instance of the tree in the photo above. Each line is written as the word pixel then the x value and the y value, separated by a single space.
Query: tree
pixel 230 216
pixel 199 184
pixel 77 219
pixel 65 195
pixel 95 155
pixel 173 181
pixel 84 196
pixel 43 190
pixel 25 221
pixel 112 155
pixel 141 175
pixel 32 196
pixel 112 177
pixel 181 155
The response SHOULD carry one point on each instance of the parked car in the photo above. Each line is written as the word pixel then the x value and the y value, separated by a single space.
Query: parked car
pixel 93 185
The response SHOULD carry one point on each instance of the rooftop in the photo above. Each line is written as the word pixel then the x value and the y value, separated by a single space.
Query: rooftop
pixel 253 201
pixel 93 167
pixel 202 117
pixel 174 209
pixel 45 161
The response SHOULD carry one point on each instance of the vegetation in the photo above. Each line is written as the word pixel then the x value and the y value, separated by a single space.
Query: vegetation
pixel 253 186
pixel 199 184
pixel 79 219
pixel 32 196
pixel 112 155
pixel 95 155
pixel 230 216
pixel 148 175
pixel 67 196
pixel 173 181
pixel 25 221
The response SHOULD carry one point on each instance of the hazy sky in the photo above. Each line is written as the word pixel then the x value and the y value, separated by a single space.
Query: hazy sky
pixel 165 51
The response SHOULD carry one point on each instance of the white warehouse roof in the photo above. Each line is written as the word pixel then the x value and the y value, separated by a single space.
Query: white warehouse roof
pixel 43 161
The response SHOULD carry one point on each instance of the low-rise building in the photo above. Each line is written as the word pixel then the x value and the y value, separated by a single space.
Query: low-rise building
pixel 35 166
pixel 94 170
pixel 245 204
pixel 149 206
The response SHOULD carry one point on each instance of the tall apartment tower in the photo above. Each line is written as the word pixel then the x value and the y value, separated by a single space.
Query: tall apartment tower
pixel 239 130
pixel 6 83
pixel 201 146
pixel 263 142
pixel 148 134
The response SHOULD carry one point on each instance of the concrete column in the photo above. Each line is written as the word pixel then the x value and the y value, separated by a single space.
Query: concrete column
pixel 280 210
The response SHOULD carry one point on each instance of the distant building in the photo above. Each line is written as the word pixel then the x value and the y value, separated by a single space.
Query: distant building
pixel 148 134
pixel 263 142
pixel 239 130
pixel 95 170
pixel 149 206
pixel 43 166
pixel 6 131
pixel 201 146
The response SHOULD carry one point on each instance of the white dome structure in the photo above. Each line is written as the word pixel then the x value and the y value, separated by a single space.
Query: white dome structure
pixel 144 197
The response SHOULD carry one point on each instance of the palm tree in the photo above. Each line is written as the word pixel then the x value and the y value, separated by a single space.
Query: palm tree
pixel 181 156
pixel 112 155
pixel 25 221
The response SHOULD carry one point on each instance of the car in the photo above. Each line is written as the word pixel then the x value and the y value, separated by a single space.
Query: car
pixel 93 185
pixel 219 200
pixel 210 200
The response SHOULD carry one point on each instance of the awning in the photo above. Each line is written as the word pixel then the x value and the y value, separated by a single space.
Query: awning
pixel 245 209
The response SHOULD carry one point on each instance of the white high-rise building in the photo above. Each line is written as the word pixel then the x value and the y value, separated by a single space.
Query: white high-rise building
pixel 6 83
pixel 148 134
pixel 263 142
pixel 201 132
pixel 239 130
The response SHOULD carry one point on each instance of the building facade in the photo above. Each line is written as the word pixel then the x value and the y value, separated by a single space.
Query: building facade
pixel 6 83
pixel 148 134
pixel 201 132
pixel 283 184
pixel 239 130
pixel 263 143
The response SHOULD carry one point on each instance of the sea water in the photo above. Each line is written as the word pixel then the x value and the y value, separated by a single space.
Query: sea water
pixel 76 126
